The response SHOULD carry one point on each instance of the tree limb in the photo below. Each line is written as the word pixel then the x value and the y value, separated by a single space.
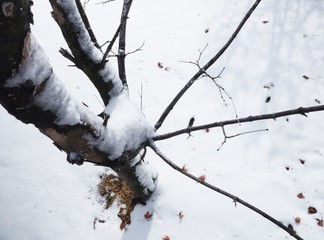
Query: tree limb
pixel 300 110
pixel 31 92
pixel 229 195
pixel 205 67
pixel 87 23
pixel 122 42
pixel 87 56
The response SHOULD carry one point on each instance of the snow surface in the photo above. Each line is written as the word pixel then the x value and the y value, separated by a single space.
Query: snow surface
pixel 43 197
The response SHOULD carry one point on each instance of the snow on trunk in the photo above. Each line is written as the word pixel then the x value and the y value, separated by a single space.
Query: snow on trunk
pixel 76 129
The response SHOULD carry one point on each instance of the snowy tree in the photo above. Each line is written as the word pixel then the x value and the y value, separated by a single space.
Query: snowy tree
pixel 32 93
pixel 116 137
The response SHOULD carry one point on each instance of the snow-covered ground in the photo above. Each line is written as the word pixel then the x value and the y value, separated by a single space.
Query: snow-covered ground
pixel 278 54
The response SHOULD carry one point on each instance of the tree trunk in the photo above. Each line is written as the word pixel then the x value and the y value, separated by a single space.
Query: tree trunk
pixel 31 92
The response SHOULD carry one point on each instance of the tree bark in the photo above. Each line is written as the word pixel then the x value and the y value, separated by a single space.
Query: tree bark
pixel 30 91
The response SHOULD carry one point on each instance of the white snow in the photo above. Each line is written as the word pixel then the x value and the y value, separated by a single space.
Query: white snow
pixel 43 197
pixel 127 126
pixel 146 175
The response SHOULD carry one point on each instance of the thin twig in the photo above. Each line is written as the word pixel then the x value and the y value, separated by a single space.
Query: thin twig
pixel 104 2
pixel 236 135
pixel 87 23
pixel 128 53
pixel 300 110
pixel 206 66
pixel 65 53
pixel 216 189
pixel 122 42
pixel 111 43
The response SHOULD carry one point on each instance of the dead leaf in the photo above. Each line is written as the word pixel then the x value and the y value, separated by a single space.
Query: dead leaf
pixel 265 21
pixel 320 222
pixel 312 210
pixel 180 215
pixel 297 220
pixel 300 195
pixel 166 237
pixel 122 226
pixel 148 215
pixel 202 178
pixel 305 77
pixel 160 65
pixel 302 161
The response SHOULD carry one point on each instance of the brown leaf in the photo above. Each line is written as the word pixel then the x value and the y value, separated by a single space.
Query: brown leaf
pixel 297 220
pixel 305 77
pixel 202 178
pixel 300 195
pixel 122 226
pixel 148 215
pixel 180 215
pixel 166 237
pixel 320 222
pixel 312 210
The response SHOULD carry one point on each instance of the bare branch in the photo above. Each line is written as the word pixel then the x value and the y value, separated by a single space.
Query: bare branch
pixel 206 66
pixel 122 42
pixel 87 23
pixel 227 194
pixel 65 53
pixel 300 110
pixel 111 43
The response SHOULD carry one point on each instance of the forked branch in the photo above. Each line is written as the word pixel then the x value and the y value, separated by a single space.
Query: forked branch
pixel 300 110
pixel 205 67
pixel 227 194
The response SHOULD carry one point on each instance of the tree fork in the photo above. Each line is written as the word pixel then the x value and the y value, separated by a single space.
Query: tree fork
pixel 24 94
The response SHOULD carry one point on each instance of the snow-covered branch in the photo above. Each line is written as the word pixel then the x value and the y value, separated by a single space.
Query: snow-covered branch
pixel 84 48
pixel 32 92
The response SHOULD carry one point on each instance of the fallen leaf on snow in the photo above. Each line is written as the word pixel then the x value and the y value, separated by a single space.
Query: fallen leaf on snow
pixel 297 220
pixel 312 210
pixel 320 222
pixel 180 215
pixel 148 215
pixel 300 195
